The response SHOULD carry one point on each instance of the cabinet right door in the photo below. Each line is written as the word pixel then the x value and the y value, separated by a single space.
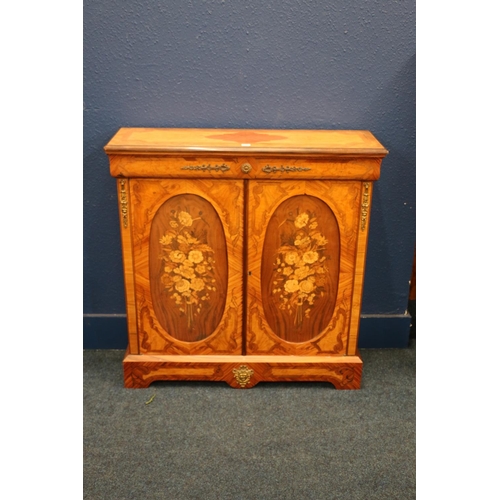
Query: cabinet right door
pixel 302 246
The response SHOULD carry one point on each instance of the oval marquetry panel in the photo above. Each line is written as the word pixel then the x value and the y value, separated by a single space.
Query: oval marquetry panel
pixel 300 268
pixel 188 267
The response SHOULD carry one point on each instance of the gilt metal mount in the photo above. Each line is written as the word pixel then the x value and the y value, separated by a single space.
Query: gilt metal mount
pixel 271 170
pixel 207 168
pixel 243 374
pixel 124 202
pixel 365 205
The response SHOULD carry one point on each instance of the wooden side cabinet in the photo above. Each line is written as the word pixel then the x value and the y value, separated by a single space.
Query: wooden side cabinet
pixel 244 252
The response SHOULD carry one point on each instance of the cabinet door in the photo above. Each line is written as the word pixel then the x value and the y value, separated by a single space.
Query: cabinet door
pixel 301 260
pixel 187 241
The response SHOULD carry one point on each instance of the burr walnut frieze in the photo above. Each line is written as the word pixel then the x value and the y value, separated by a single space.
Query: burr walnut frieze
pixel 244 252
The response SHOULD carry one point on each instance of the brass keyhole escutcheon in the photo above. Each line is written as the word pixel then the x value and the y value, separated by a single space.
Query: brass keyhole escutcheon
pixel 246 167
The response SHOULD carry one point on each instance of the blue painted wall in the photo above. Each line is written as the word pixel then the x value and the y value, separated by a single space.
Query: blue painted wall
pixel 259 64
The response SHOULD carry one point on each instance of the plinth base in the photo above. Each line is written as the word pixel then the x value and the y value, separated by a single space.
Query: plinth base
pixel 243 372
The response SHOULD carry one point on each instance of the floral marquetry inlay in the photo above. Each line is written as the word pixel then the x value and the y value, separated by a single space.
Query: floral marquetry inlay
pixel 188 272
pixel 300 268
pixel 188 257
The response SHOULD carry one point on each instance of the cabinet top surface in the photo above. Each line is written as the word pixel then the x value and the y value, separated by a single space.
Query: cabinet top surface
pixel 246 141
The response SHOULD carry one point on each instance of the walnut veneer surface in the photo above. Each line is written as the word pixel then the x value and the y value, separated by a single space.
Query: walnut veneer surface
pixel 244 252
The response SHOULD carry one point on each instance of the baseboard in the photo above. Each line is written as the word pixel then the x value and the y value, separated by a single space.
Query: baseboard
pixel 109 331
pixel 105 331
pixel 380 330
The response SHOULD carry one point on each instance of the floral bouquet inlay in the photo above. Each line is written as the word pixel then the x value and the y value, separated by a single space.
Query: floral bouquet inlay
pixel 299 270
pixel 188 271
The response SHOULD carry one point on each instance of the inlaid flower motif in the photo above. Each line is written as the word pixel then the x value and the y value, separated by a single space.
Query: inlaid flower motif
pixel 195 256
pixel 188 264
pixel 177 256
pixel 291 257
pixel 302 241
pixel 302 272
pixel 306 286
pixel 310 257
pixel 197 284
pixel 182 285
pixel 187 272
pixel 301 220
pixel 166 239
pixel 185 219
pixel 299 271
pixel 320 239
pixel 291 286
pixel 201 269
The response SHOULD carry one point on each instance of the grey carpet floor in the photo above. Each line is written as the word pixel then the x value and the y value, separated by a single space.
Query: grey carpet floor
pixel 275 441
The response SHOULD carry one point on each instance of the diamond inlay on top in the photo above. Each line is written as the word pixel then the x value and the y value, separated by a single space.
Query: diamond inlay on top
pixel 247 137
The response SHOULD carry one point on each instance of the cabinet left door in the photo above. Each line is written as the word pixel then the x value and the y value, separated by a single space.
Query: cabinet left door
pixel 183 245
